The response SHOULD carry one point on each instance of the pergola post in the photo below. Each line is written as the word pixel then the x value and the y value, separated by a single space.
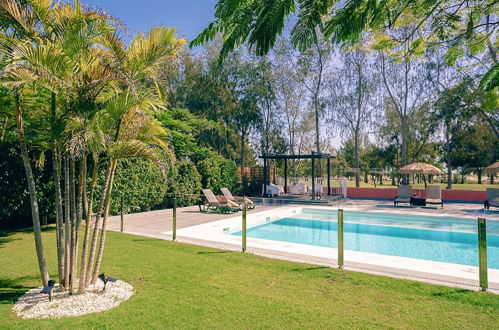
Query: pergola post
pixel 313 178
pixel 328 177
pixel 285 176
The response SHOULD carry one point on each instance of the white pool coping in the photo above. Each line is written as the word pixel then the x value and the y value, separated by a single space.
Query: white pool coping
pixel 218 232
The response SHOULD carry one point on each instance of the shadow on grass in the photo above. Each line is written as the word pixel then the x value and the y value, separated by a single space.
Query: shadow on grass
pixel 5 235
pixel 304 269
pixel 449 293
pixel 471 297
pixel 214 252
pixel 11 290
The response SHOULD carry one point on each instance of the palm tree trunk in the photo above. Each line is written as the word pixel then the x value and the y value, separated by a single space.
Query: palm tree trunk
pixel 58 212
pixel 104 224
pixel 95 233
pixel 35 215
pixel 88 214
pixel 77 217
pixel 67 222
pixel 74 220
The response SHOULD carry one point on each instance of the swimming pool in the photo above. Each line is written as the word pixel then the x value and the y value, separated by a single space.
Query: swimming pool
pixel 444 239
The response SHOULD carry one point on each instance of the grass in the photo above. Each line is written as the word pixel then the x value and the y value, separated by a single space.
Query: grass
pixel 185 286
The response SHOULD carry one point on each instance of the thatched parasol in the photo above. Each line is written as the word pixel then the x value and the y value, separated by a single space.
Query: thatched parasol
pixel 420 168
pixel 494 168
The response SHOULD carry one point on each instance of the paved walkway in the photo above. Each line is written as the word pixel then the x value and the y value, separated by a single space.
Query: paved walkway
pixel 154 223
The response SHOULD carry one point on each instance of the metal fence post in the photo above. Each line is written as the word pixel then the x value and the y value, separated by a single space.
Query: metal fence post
pixel 340 238
pixel 122 211
pixel 244 226
pixel 174 216
pixel 482 253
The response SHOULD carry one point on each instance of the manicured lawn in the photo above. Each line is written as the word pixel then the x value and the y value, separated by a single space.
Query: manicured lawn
pixel 184 286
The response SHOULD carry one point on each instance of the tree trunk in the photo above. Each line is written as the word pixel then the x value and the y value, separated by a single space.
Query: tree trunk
pixel 93 247
pixel 479 176
pixel 357 161
pixel 88 214
pixel 449 158
pixel 58 212
pixel 67 224
pixel 242 151
pixel 104 224
pixel 403 148
pixel 35 215
pixel 72 198
pixel 77 201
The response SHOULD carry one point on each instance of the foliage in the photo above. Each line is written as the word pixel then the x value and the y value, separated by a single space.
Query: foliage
pixel 217 173
pixel 184 180
pixel 15 211
pixel 141 183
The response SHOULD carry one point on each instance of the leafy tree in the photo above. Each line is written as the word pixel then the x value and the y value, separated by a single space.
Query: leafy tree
pixel 462 24
pixel 352 101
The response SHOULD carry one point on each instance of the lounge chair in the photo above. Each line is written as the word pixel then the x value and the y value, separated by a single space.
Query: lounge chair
pixel 212 203
pixel 274 190
pixel 492 198
pixel 238 200
pixel 404 195
pixel 434 195
pixel 298 189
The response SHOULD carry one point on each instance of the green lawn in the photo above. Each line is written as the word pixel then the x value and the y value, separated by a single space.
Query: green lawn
pixel 184 286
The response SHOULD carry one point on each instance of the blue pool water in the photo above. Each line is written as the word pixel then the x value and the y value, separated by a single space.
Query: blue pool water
pixel 452 240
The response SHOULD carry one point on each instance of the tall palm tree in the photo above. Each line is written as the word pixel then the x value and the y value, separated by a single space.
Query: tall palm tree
pixel 134 132
pixel 52 47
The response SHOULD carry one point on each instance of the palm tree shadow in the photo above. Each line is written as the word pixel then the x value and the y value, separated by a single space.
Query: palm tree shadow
pixel 13 289
pixel 5 235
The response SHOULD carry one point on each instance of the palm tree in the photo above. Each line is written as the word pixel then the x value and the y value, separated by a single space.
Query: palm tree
pixel 56 53
pixel 134 133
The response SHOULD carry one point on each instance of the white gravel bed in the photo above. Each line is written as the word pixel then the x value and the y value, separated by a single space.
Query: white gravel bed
pixel 34 304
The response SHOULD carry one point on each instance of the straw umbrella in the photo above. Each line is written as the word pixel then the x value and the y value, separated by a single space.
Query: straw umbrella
pixel 492 169
pixel 420 168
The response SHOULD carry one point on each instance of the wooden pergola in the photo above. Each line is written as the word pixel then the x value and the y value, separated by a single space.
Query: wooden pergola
pixel 313 156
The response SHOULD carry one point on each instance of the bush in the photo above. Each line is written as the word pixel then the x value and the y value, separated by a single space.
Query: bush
pixel 217 172
pixel 15 207
pixel 185 181
pixel 251 187
pixel 141 182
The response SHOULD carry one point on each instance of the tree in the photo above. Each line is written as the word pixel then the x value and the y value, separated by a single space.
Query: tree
pixel 101 96
pixel 468 24
pixel 352 100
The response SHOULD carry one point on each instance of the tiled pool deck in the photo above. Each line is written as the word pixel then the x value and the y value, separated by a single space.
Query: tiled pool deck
pixel 158 224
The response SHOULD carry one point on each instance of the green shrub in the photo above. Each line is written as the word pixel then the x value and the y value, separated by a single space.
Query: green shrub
pixel 140 181
pixel 217 172
pixel 15 207
pixel 185 181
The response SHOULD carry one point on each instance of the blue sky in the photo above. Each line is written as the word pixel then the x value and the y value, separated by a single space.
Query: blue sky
pixel 189 16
